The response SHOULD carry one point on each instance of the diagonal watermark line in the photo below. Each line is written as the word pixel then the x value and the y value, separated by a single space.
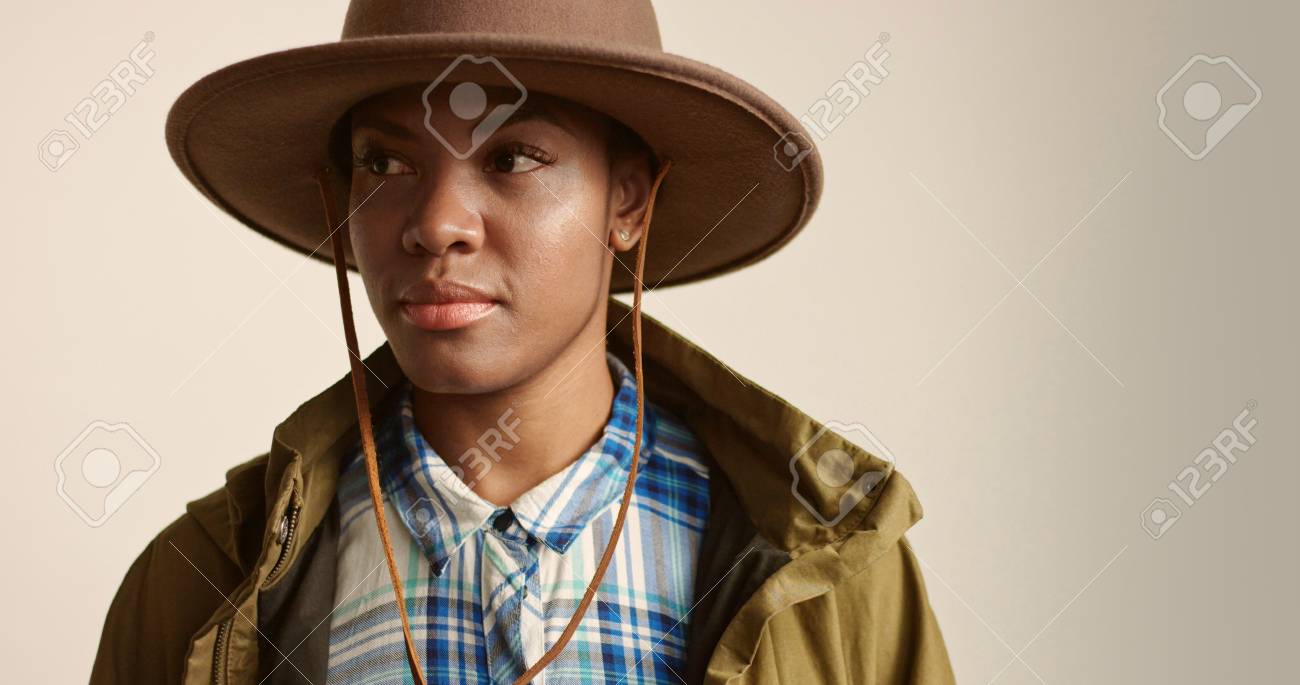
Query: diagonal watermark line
pixel 322 621
pixel 670 668
pixel 615 613
pixel 1020 281
pixel 1076 338
pixel 1077 595
pixel 688 613
pixel 697 243
pixel 248 317
pixel 691 332
pixel 1076 226
pixel 335 229
pixel 1068 604
pixel 647 291
pixel 964 337
pixel 283 283
pixel 584 357
pixel 605 245
pixel 291 291
pixel 582 223
pixel 976 614
pixel 236 608
pixel 963 225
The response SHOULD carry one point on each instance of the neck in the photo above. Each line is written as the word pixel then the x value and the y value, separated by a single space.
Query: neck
pixel 508 441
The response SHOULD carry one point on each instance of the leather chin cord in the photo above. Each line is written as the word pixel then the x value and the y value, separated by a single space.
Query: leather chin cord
pixel 368 440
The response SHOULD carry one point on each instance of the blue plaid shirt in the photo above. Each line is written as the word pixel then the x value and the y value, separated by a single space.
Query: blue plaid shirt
pixel 489 589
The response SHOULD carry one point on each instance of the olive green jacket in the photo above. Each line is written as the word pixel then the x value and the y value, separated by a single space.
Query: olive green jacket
pixel 239 589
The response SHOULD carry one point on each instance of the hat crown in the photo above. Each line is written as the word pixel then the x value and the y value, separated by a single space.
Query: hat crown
pixel 629 23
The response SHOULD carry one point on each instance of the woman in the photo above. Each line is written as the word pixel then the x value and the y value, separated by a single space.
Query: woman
pixel 488 168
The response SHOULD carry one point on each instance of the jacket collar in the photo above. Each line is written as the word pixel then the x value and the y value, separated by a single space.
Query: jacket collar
pixel 759 441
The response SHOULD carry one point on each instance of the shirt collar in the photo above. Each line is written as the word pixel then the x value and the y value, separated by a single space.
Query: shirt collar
pixel 442 512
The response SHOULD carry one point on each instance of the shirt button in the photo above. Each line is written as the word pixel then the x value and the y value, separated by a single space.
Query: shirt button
pixel 503 521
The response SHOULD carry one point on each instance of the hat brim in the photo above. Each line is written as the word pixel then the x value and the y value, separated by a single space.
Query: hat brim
pixel 252 137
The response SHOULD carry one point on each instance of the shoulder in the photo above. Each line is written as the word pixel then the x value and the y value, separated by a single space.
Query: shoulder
pixel 880 621
pixel 172 588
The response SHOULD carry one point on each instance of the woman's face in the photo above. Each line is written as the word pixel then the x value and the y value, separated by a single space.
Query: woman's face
pixel 484 270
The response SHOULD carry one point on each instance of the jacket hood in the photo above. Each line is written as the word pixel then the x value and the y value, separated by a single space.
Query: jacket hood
pixel 759 441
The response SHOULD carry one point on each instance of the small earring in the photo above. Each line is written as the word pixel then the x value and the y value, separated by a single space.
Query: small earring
pixel 624 235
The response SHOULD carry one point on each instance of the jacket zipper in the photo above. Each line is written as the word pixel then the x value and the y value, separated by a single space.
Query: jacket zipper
pixel 221 645
pixel 284 546
pixel 220 648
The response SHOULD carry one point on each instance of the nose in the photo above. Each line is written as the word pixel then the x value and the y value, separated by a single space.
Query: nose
pixel 444 218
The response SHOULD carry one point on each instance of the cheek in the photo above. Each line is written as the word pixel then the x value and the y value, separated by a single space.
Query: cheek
pixel 563 218
pixel 373 226
pixel 374 235
pixel 554 247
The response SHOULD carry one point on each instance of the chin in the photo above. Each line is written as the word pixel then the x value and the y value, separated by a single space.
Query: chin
pixel 448 364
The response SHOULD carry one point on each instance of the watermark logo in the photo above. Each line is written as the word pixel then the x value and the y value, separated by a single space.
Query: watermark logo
pixel 422 517
pixel 56 148
pixel 487 450
pixel 102 468
pixel 468 101
pixel 791 149
pixel 1160 516
pixel 826 114
pixel 106 97
pixel 1207 467
pixel 1203 102
pixel 834 469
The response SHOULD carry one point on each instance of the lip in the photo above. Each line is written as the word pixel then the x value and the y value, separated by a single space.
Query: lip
pixel 445 305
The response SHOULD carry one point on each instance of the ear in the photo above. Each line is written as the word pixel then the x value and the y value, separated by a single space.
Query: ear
pixel 629 193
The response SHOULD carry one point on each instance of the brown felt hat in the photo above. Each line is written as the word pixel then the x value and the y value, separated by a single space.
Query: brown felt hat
pixel 745 175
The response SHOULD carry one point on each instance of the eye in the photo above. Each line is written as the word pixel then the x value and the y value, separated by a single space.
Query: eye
pixel 518 158
pixel 380 164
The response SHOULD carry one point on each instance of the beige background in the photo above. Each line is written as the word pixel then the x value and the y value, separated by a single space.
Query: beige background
pixel 1035 445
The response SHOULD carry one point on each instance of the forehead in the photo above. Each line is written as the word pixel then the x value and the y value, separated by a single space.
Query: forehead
pixel 406 107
